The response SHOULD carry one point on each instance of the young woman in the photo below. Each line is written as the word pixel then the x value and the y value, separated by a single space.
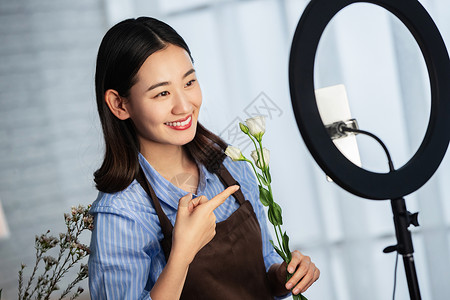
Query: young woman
pixel 156 237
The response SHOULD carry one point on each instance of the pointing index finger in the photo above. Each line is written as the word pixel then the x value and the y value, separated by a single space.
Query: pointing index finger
pixel 221 197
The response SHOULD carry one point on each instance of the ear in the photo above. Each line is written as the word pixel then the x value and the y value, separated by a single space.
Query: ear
pixel 116 104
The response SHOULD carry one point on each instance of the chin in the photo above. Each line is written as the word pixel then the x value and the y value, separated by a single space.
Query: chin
pixel 187 139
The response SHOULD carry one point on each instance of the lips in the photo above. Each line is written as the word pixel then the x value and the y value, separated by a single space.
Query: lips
pixel 180 120
pixel 181 124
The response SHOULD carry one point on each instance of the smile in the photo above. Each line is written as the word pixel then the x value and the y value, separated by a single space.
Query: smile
pixel 180 125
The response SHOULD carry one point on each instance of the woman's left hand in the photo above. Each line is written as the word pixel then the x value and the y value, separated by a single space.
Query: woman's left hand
pixel 304 273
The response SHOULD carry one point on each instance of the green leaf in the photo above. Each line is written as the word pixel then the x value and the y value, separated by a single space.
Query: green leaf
pixel 285 239
pixel 264 196
pixel 299 297
pixel 274 214
pixel 271 216
pixel 280 253
pixel 263 180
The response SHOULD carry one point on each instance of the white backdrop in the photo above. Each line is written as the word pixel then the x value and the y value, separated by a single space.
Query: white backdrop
pixel 241 51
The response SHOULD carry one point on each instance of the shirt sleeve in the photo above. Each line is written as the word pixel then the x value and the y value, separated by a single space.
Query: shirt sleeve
pixel 120 258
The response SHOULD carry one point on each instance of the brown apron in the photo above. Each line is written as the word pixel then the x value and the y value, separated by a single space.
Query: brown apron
pixel 231 265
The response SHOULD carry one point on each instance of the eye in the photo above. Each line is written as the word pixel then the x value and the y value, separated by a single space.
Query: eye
pixel 162 94
pixel 190 82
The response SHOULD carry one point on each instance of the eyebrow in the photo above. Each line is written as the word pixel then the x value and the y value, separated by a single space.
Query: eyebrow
pixel 167 82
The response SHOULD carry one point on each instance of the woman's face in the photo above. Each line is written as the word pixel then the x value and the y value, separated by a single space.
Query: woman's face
pixel 165 101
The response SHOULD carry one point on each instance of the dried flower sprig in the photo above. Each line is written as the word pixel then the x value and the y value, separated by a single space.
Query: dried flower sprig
pixel 70 253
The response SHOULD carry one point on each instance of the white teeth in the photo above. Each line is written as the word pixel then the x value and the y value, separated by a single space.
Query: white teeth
pixel 177 124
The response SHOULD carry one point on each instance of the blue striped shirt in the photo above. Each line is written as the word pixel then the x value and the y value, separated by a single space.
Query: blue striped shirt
pixel 126 257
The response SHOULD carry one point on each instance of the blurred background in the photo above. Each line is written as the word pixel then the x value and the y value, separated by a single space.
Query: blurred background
pixel 51 140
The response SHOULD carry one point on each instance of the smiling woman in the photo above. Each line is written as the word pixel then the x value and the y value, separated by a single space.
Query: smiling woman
pixel 152 238
pixel 163 104
pixel 139 98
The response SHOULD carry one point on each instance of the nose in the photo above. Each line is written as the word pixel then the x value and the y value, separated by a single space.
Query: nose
pixel 181 103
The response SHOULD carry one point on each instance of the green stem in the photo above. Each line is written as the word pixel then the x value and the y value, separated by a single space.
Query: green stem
pixel 256 147
pixel 262 154
pixel 270 191
pixel 278 239
pixel 275 227
pixel 279 227
pixel 254 170
pixel 252 138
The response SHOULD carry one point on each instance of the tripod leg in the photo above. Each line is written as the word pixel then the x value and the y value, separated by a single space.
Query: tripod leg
pixel 411 275
pixel 404 246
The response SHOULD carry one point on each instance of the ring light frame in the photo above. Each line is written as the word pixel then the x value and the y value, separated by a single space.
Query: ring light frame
pixel 419 169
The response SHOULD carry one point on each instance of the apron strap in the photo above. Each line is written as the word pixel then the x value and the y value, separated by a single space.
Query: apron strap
pixel 166 226
pixel 228 180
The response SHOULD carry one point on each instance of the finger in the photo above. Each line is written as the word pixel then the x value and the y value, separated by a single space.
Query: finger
pixel 221 197
pixel 315 277
pixel 306 281
pixel 201 199
pixel 196 202
pixel 295 261
pixel 184 201
pixel 303 268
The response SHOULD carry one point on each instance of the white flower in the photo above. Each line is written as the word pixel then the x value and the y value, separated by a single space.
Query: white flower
pixel 265 153
pixel 234 153
pixel 256 126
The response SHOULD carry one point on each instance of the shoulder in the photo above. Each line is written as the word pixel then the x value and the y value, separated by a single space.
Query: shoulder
pixel 242 173
pixel 133 198
pixel 130 208
pixel 239 169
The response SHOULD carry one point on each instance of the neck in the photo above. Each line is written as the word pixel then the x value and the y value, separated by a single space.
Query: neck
pixel 167 160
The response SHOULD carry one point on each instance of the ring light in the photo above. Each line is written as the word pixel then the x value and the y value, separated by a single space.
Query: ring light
pixel 419 169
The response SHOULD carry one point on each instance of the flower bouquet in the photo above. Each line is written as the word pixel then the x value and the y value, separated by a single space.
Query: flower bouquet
pixel 254 128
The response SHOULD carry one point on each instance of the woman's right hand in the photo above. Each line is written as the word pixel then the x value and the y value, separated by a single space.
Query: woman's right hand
pixel 195 224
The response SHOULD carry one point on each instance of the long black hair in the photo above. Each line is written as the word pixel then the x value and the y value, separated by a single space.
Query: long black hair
pixel 123 50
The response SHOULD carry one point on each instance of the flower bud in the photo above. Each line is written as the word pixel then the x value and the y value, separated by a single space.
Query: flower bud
pixel 234 153
pixel 244 128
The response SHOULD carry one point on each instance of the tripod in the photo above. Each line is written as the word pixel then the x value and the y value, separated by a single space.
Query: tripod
pixel 402 219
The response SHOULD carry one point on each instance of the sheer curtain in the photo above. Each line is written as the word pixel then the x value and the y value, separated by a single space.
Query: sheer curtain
pixel 241 51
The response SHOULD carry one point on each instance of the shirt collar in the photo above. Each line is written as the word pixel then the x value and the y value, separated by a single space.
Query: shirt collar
pixel 165 190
